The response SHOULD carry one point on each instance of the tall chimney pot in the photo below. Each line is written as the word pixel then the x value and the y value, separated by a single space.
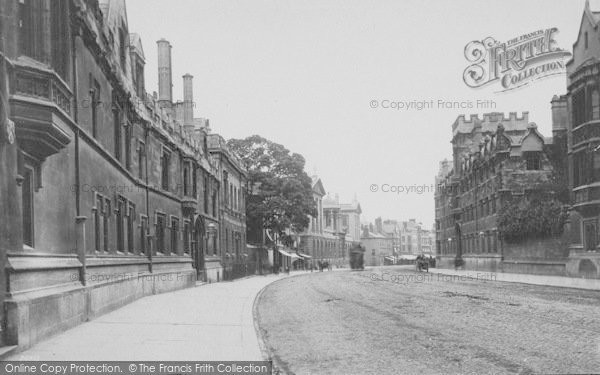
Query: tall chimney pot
pixel 188 102
pixel 165 79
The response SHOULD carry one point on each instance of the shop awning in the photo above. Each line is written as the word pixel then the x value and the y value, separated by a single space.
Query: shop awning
pixel 291 255
pixel 304 255
pixel 390 258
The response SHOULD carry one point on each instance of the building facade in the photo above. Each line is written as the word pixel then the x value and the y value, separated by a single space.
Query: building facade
pixel 232 217
pixel 496 160
pixel 108 193
pixel 582 101
pixel 379 249
pixel 332 233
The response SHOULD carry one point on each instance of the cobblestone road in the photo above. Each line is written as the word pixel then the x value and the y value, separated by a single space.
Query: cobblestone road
pixel 390 321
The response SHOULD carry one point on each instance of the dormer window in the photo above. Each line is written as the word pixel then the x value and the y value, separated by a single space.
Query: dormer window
pixel 533 161
pixel 139 79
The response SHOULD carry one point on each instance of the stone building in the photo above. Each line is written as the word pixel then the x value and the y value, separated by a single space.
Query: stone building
pixel 107 193
pixel 427 240
pixel 582 120
pixel 407 239
pixel 410 237
pixel 379 248
pixel 232 217
pixel 322 240
pixel 332 232
pixel 495 159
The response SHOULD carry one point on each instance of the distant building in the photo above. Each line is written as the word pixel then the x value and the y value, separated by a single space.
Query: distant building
pixel 410 237
pixel 404 239
pixel 378 248
pixel 427 246
pixel 350 216
pixel 333 231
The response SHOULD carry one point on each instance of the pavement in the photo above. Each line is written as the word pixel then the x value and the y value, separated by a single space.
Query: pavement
pixel 207 322
pixel 558 281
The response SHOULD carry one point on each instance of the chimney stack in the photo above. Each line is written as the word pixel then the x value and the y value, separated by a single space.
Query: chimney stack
pixel 165 79
pixel 559 114
pixel 188 102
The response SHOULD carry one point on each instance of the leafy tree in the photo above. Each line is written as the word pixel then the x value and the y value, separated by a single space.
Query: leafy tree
pixel 280 191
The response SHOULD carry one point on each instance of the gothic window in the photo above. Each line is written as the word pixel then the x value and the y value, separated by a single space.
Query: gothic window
pixel 98 222
pixel 27 29
pixel 186 236
pixel 595 104
pixel 226 188
pixel 165 165
pixel 130 219
pixel 32 31
pixel 105 219
pixel 186 176
pixel 205 194
pixel 128 133
pixel 117 131
pixel 60 36
pixel 194 181
pixel 120 221
pixel 578 104
pixel 141 153
pixel 215 244
pixel 532 161
pixel 174 234
pixel 138 77
pixel 161 223
pixel 214 204
pixel 143 232
pixel 94 88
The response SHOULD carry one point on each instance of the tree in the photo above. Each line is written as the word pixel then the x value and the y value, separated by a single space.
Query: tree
pixel 280 191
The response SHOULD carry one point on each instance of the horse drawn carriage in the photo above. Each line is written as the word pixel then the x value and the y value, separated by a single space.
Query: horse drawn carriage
pixel 422 263
pixel 324 265
pixel 357 258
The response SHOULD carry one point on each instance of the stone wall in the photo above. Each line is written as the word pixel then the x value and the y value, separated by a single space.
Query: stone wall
pixel 36 311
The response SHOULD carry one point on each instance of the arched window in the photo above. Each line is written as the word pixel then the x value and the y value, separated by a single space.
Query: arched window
pixel 595 104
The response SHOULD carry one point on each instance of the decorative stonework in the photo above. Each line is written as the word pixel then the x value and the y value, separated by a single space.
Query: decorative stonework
pixel 44 86
pixel 30 85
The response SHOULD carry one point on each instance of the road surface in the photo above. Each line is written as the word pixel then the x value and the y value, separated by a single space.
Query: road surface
pixel 392 320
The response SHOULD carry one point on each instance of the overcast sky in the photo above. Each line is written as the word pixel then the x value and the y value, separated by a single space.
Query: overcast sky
pixel 303 74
